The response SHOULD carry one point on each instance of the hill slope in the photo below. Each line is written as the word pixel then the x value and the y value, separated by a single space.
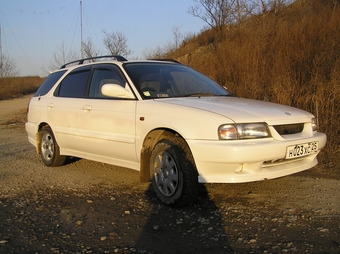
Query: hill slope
pixel 291 57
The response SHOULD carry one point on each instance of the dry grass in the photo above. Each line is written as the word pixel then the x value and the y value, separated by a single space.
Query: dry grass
pixel 17 86
pixel 291 57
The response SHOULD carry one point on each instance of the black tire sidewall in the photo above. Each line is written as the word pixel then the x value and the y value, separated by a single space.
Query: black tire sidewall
pixel 187 188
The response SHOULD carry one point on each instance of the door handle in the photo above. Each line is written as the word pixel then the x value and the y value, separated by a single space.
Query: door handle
pixel 50 106
pixel 87 108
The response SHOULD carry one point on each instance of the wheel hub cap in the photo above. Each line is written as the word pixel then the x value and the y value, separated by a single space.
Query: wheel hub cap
pixel 166 174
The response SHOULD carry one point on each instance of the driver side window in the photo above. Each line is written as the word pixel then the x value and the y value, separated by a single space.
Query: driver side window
pixel 104 75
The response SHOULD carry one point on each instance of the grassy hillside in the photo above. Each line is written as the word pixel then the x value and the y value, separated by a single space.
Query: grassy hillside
pixel 290 57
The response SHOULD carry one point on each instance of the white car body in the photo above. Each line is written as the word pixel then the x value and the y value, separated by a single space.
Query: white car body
pixel 115 132
pixel 242 160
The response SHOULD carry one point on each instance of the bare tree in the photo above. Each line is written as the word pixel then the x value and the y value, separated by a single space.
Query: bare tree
pixel 270 5
pixel 241 10
pixel 8 67
pixel 159 52
pixel 216 13
pixel 62 56
pixel 116 43
pixel 179 39
pixel 170 46
pixel 89 49
pixel 220 13
pixel 178 36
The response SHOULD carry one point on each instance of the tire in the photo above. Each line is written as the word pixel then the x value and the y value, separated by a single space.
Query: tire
pixel 173 172
pixel 49 149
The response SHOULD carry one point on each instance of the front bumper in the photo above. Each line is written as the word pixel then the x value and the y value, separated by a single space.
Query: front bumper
pixel 240 161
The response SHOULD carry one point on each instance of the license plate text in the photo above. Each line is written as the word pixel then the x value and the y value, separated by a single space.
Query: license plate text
pixel 301 150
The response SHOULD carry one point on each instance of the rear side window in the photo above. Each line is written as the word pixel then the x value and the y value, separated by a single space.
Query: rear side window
pixel 49 83
pixel 74 84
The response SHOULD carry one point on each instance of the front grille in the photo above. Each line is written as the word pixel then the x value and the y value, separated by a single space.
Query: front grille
pixel 288 129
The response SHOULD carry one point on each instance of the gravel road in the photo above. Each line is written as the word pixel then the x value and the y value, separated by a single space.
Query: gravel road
pixel 90 207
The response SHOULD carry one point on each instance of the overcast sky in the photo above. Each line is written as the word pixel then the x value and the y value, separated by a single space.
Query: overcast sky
pixel 33 30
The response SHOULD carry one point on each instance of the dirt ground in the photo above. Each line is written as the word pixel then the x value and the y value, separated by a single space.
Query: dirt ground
pixel 90 207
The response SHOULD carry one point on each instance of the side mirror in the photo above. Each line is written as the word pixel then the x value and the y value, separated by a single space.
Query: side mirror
pixel 113 90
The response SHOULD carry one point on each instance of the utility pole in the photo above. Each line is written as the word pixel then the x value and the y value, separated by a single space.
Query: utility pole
pixel 81 29
pixel 0 54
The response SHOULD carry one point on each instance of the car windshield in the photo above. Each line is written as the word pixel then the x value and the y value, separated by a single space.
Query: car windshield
pixel 163 80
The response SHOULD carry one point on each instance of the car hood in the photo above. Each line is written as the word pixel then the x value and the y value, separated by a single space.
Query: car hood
pixel 244 110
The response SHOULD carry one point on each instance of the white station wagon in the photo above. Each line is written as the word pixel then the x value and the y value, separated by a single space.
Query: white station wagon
pixel 173 124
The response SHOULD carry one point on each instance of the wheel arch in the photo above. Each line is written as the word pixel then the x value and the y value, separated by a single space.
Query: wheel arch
pixel 37 138
pixel 149 143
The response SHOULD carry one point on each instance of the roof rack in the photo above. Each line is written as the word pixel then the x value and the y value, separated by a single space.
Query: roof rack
pixel 81 61
pixel 166 60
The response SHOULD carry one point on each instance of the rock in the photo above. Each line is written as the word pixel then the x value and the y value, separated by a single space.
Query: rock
pixel 79 223
pixel 252 241
pixel 155 228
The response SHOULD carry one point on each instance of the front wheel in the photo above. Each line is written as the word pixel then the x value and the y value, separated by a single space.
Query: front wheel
pixel 173 172
pixel 49 149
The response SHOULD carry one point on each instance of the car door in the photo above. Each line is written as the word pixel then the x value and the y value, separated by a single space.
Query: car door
pixel 107 125
pixel 64 107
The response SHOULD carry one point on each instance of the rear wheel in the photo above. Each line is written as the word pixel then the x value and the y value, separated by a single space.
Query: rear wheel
pixel 173 172
pixel 49 149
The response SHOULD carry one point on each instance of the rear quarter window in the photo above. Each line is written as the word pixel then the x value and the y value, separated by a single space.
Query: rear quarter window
pixel 48 83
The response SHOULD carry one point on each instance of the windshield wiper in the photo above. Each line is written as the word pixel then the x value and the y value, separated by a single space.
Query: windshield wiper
pixel 199 95
pixel 205 95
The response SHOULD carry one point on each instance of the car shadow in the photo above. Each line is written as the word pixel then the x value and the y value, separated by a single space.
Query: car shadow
pixel 197 228
pixel 71 159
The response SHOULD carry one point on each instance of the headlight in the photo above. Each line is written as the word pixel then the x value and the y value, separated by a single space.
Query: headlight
pixel 314 124
pixel 243 131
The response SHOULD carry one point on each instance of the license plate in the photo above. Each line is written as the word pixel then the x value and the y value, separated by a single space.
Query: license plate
pixel 301 150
